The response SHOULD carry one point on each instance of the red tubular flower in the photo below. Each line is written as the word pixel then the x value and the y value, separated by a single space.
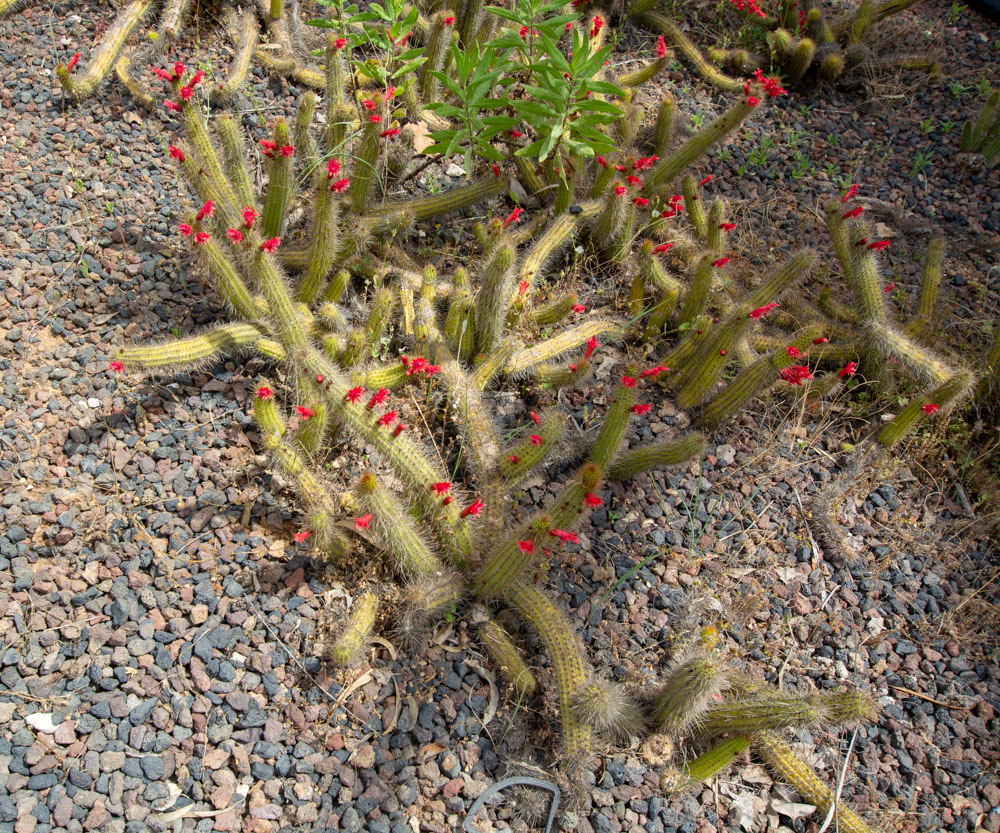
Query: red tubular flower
pixel 641 410
pixel 249 215
pixel 72 62
pixel 592 501
pixel 202 237
pixel 628 381
pixel 722 261
pixel 591 347
pixel 339 43
pixel 473 509
pixel 601 161
pixel 288 151
pixel 369 105
pixel 264 392
pixel 653 371
pixel 821 340
pixel 633 180
pixel 196 79
pixel 930 408
pixel 116 366
pixel 620 167
pixel 564 536
pixel 661 48
pixel 354 395
pixel 850 192
pixel 619 190
pixel 796 374
pixel 304 412
pixel 889 288
pixel 598 25
pixel 332 168
pixel 523 33
pixel 162 74
pixel 522 288
pixel 640 202
pixel 178 71
pixel 513 217
pixel 517 134
pixel 496 169
pixel 863 241
pixel 176 153
pixel 572 366
pixel 848 369
pixel 793 351
pixel 375 118
pixel 170 105
pixel 534 417
pixel 663 247
pixel 857 211
pixel 270 245
pixel 184 229
pixel 706 180
pixel 578 308
pixel 399 429
pixel 320 378
pixel 300 537
pixel 536 440
pixel 432 369
pixel 514 459
pixel 362 522
pixel 186 93
pixel 235 235
pixel 676 198
pixel 440 488
pixel 387 419
pixel 388 134
pixel 206 210
pixel 267 147
pixel 527 546
pixel 727 226
pixel 378 398
pixel 389 93
pixel 760 312
pixel 879 245
pixel 341 185
pixel 449 21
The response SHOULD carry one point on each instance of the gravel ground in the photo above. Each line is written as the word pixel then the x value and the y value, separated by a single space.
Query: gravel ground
pixel 155 669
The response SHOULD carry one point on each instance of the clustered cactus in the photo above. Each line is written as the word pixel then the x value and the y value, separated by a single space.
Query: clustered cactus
pixel 982 134
pixel 349 323
pixel 799 39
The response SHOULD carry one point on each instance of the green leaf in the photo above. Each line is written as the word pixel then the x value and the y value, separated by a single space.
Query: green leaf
pixel 603 88
pixel 321 23
pixel 407 68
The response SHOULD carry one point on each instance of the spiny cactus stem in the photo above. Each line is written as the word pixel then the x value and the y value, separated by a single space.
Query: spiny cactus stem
pixel 398 533
pixel 567 660
pixel 663 24
pixel 359 628
pixel 545 351
pixel 189 352
pixel 508 658
pixel 669 453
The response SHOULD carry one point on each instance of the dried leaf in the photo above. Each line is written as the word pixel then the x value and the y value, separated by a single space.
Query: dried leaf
pixel 791 809
pixel 419 135
pixel 741 811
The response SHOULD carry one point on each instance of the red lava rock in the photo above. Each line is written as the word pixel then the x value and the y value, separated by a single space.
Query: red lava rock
pixel 296 578
pixel 452 788
pixel 335 741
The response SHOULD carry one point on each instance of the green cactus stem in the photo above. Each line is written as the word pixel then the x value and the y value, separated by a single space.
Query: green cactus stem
pixel 488 367
pixel 695 209
pixel 793 270
pixel 990 382
pixel 363 170
pixel 322 244
pixel 504 564
pixel 889 342
pixel 567 661
pixel 275 10
pixel 641 75
pixel 266 413
pixel 495 296
pixel 716 234
pixel 234 155
pixel 754 378
pixel 555 311
pixel 338 284
pixel 700 373
pixel 668 168
pixel 359 627
pixel 717 759
pixel 689 688
pixel 397 532
pixel 132 83
pixel 545 351
pixel 564 191
pixel 832 66
pixel 438 45
pixel 697 296
pixel 774 712
pixel 668 453
pixel 664 130
pixel 102 59
pixel 305 146
pixel 423 208
pixel 280 170
pixel 610 223
pixel 801 59
pixel 670 30
pixel 929 289
pixel 518 460
pixel 470 21
pixel 226 280
pixel 460 323
pixel 507 657
pixel 974 133
pixel 559 233
pixel 612 432
pixel 185 353
pixel 942 396
pixel 659 316
pixel 779 756
pixel 244 34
